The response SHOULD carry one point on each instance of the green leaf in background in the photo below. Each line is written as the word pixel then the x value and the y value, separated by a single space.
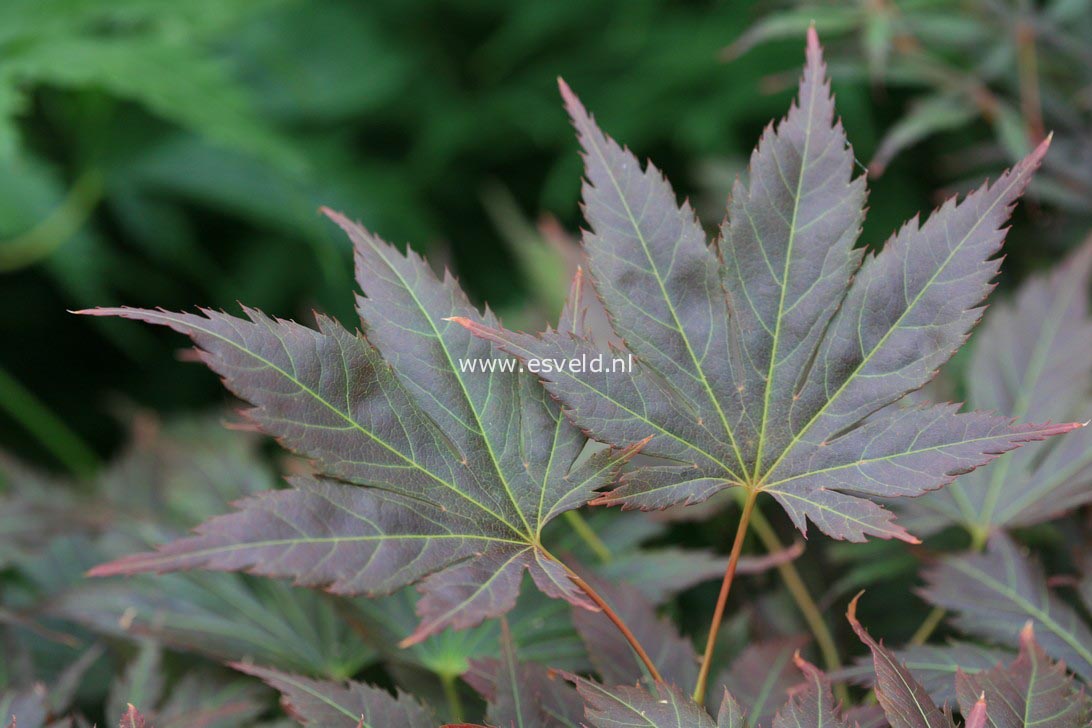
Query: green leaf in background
pixel 152 54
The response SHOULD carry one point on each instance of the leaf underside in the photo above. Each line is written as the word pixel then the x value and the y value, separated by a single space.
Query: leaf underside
pixel 632 707
pixel 523 694
pixel 611 654
pixel 426 473
pixel 1033 358
pixel 905 702
pixel 994 594
pixel 333 705
pixel 773 359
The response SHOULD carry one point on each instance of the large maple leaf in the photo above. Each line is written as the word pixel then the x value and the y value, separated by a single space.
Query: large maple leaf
pixel 427 472
pixel 771 359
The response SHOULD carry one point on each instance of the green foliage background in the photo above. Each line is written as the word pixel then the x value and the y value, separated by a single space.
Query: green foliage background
pixel 175 154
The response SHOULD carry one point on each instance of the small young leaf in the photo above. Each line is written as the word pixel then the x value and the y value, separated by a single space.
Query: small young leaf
pixel 730 714
pixel 132 718
pixel 997 592
pixel 1032 691
pixel 428 472
pixel 812 704
pixel 977 716
pixel 769 362
pixel 904 700
pixel 332 705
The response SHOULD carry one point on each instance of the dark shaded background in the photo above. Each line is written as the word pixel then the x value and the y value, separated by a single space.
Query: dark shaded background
pixel 175 154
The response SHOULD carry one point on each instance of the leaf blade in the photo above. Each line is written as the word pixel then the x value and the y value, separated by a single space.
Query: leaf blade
pixel 997 592
pixel 777 378
pixel 1032 691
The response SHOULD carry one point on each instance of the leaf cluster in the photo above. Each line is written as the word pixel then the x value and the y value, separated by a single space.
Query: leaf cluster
pixel 447 532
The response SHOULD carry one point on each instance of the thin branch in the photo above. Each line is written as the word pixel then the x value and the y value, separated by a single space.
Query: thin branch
pixel 590 537
pixel 46 427
pixel 925 631
pixel 613 617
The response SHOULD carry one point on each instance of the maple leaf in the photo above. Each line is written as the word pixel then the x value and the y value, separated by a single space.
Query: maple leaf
pixel 760 678
pixel 770 360
pixel 994 594
pixel 935 666
pixel 629 707
pixel 329 704
pixel 523 694
pixel 1032 691
pixel 132 718
pixel 427 473
pixel 905 702
pixel 810 704
pixel 1032 358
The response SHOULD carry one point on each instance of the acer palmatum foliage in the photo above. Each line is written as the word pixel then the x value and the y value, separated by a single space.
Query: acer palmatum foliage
pixel 773 360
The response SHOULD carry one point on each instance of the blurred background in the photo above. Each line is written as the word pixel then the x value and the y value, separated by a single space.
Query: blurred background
pixel 175 154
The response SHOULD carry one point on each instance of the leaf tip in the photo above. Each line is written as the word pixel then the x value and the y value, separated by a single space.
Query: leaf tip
pixel 977 717
pixel 1040 151
pixel 463 321
pixel 1027 634
pixel 851 613
pixel 813 39
pixel 110 568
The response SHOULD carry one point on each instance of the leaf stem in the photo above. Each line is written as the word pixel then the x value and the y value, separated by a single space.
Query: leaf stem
pixel 451 693
pixel 790 575
pixel 45 426
pixel 590 537
pixel 613 617
pixel 722 600
pixel 1027 66
pixel 922 634
pixel 57 228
